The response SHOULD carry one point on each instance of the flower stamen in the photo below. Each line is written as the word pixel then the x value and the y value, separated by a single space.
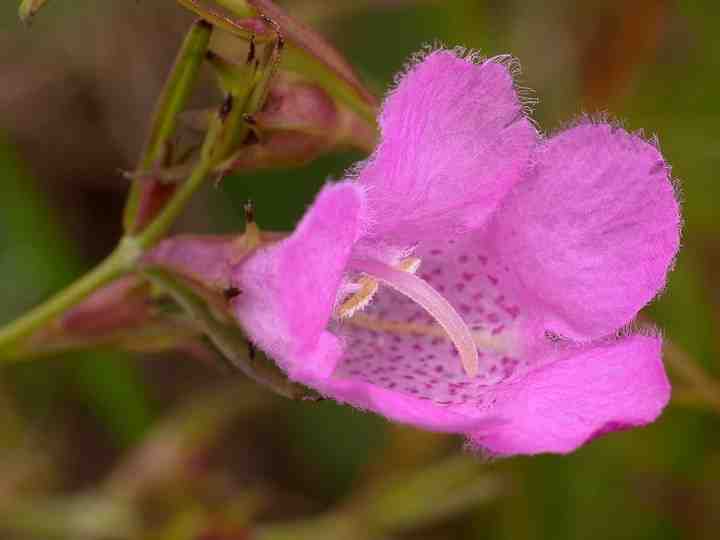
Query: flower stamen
pixel 368 287
pixel 420 292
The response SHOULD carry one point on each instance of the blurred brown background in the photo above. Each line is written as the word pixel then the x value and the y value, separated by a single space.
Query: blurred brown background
pixel 76 92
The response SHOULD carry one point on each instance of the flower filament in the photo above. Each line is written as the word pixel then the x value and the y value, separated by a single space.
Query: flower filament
pixel 404 281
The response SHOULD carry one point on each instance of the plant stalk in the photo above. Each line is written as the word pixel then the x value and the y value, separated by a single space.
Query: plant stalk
pixel 116 264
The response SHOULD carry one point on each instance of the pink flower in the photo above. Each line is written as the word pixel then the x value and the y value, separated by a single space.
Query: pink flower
pixel 473 278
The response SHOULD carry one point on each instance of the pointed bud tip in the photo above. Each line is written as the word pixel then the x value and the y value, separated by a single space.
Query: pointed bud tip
pixel 25 16
pixel 28 9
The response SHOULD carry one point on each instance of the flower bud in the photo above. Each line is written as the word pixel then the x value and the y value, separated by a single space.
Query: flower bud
pixel 28 9
pixel 306 52
pixel 299 123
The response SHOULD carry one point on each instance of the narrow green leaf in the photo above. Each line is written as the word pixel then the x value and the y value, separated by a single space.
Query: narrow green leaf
pixel 171 102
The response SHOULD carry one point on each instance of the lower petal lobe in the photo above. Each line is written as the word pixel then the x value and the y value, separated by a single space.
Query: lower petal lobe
pixel 581 395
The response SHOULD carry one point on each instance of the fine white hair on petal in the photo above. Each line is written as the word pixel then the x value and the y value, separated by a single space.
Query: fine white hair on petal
pixel 526 95
pixel 604 117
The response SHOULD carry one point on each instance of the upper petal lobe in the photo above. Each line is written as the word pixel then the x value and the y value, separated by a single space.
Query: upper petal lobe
pixel 454 141
pixel 590 235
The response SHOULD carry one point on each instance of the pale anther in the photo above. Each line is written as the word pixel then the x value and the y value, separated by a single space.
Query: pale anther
pixel 368 287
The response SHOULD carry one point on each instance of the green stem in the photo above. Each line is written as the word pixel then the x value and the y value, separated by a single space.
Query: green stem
pixel 224 132
pixel 297 56
pixel 171 102
pixel 162 223
pixel 706 388
pixel 121 261
pixel 116 264
pixel 131 247
pixel 216 18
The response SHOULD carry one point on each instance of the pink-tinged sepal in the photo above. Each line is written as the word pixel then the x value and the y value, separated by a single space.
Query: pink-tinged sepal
pixel 300 122
pixel 206 260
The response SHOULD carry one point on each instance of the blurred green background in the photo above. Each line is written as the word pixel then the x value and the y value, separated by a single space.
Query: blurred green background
pixel 76 91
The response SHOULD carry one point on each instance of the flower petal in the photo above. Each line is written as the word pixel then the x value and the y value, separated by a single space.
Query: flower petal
pixel 289 289
pixel 454 141
pixel 561 405
pixel 402 407
pixel 591 234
